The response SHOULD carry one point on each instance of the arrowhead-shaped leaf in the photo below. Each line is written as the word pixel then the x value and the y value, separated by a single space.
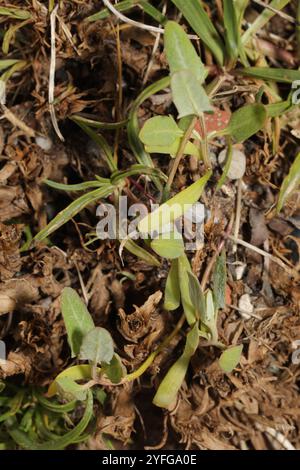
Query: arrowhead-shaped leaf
pixel 97 346
pixel 77 318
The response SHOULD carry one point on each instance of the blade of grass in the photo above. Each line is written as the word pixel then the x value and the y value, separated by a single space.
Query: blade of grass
pixel 263 19
pixel 15 13
pixel 98 124
pixel 123 6
pixel 240 8
pixel 268 73
pixel 74 187
pixel 138 251
pixel 133 124
pixel 197 17
pixel 62 442
pixel 5 64
pixel 138 170
pixel 233 42
pixel 101 141
pixel 290 183
pixel 153 12
pixel 73 209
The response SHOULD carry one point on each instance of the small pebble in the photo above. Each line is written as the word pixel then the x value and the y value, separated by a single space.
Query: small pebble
pixel 238 164
pixel 245 306
pixel 240 271
pixel 44 142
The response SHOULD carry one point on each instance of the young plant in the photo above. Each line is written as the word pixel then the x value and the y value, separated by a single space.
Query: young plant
pixel 201 311
pixel 88 343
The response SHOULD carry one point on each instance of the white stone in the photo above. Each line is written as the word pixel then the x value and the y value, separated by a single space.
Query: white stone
pixel 44 142
pixel 240 271
pixel 245 306
pixel 238 164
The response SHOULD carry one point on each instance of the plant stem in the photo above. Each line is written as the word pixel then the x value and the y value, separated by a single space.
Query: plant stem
pixel 212 262
pixel 204 143
pixel 178 158
pixel 137 373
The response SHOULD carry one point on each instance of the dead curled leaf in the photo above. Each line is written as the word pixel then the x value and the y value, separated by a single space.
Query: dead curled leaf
pixel 16 363
pixel 10 259
pixel 136 325
pixel 16 293
pixel 120 424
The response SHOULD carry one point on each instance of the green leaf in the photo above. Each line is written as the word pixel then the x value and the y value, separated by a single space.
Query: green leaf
pixel 172 150
pixel 268 73
pixel 246 122
pixel 101 142
pixel 169 387
pixel 133 124
pixel 172 290
pixel 137 170
pixel 219 281
pixel 153 12
pixel 73 436
pixel 277 109
pixel 6 63
pixel 196 295
pixel 138 251
pixel 240 7
pixel 199 20
pixel 168 245
pixel 290 183
pixel 230 358
pixel 211 316
pixel 114 370
pixel 10 34
pixel 232 31
pixel 77 318
pixel 51 405
pixel 74 187
pixel 174 207
pixel 97 346
pixel 69 390
pixel 73 209
pixel 98 124
pixel 160 130
pixel 15 13
pixel 126 5
pixel 122 6
pixel 189 308
pixel 180 52
pixel 79 372
pixel 189 95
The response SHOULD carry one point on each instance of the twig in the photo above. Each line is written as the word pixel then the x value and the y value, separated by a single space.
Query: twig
pixel 238 213
pixel 277 12
pixel 127 20
pixel 262 253
pixel 52 74
pixel 13 119
pixel 155 47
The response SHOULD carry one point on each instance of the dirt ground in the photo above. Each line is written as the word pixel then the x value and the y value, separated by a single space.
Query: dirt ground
pixel 100 69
